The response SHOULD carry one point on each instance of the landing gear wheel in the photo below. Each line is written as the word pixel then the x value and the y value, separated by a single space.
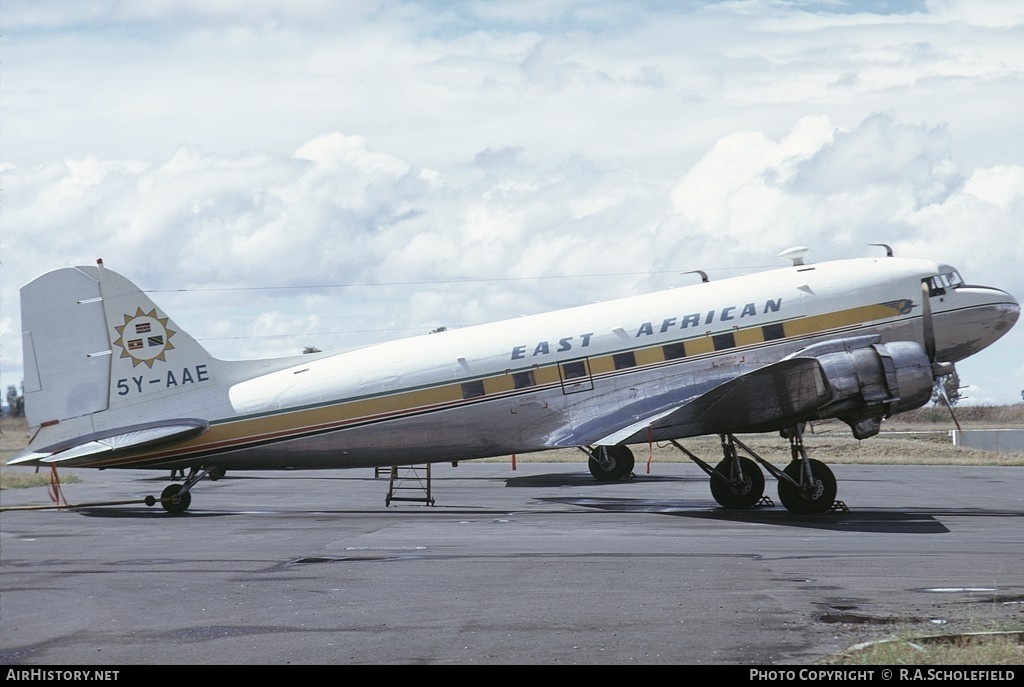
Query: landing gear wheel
pixel 816 497
pixel 172 501
pixel 738 492
pixel 215 473
pixel 611 463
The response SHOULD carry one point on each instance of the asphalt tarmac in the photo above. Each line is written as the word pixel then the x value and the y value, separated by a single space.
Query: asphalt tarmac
pixel 536 565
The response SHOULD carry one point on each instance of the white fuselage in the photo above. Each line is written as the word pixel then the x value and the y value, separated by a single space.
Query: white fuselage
pixel 566 378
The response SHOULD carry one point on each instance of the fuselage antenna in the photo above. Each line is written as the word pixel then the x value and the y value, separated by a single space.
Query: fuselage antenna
pixel 796 254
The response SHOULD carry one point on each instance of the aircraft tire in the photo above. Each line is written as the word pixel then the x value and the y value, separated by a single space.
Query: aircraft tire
pixel 817 500
pixel 174 502
pixel 738 493
pixel 621 464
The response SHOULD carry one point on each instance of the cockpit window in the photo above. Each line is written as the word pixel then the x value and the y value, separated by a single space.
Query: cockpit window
pixel 947 279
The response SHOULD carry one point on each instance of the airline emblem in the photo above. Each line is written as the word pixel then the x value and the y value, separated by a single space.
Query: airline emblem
pixel 144 337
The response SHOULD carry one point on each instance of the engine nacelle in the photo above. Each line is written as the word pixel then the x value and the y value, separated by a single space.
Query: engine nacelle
pixel 871 380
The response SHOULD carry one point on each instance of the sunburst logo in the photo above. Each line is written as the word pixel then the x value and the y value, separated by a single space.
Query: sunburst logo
pixel 144 337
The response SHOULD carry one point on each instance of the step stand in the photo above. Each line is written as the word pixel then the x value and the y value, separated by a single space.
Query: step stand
pixel 412 479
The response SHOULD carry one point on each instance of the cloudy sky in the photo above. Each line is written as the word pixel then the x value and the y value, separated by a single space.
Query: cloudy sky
pixel 288 174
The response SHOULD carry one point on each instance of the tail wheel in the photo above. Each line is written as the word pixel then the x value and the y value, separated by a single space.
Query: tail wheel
pixel 611 463
pixel 731 490
pixel 814 495
pixel 174 502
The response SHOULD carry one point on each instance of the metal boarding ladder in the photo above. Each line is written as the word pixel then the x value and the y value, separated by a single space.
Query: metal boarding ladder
pixel 410 478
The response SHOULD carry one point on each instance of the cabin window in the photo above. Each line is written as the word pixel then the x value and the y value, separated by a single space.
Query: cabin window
pixel 574 370
pixel 674 350
pixel 773 331
pixel 623 360
pixel 473 389
pixel 723 341
pixel 522 380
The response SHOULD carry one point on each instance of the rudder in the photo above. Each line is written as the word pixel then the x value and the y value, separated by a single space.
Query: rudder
pixel 65 345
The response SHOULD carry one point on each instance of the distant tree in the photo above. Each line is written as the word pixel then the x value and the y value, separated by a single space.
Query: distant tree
pixel 951 384
pixel 442 328
pixel 310 349
pixel 16 400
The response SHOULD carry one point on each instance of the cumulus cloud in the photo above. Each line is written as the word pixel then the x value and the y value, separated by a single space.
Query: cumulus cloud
pixel 819 183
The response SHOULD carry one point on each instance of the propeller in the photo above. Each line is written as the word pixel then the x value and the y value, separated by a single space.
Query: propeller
pixel 939 369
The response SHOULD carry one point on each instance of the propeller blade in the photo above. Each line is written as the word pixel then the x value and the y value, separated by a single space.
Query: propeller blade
pixel 945 398
pixel 939 370
pixel 926 322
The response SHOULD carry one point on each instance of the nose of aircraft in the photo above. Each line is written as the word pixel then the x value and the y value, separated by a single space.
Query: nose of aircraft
pixel 1011 312
pixel 977 317
pixel 1007 309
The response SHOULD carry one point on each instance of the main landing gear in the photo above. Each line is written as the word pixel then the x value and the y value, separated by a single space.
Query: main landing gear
pixel 805 485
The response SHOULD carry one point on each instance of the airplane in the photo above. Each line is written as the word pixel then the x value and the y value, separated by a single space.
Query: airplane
pixel 112 382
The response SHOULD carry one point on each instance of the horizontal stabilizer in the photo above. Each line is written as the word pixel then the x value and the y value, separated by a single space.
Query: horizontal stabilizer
pixel 774 397
pixel 85 449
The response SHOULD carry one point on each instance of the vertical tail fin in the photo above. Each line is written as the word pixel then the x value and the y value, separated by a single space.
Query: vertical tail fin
pixel 94 342
pixel 106 371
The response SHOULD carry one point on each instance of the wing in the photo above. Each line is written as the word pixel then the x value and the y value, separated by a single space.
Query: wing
pixel 771 398
pixel 858 380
